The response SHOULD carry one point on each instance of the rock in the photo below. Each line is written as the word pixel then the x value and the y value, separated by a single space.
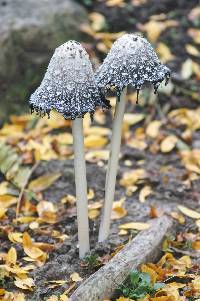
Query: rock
pixel 29 32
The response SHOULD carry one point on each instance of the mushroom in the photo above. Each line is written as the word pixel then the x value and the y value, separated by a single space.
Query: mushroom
pixel 69 87
pixel 131 61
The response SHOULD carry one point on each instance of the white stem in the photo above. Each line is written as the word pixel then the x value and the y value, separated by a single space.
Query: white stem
pixel 112 167
pixel 81 186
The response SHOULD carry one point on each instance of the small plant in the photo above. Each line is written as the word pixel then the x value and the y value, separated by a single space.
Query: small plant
pixel 92 260
pixel 138 285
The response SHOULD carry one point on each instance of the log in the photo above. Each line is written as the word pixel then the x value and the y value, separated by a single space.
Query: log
pixel 145 247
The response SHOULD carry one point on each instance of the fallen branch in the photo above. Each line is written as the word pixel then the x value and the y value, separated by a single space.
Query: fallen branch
pixel 146 246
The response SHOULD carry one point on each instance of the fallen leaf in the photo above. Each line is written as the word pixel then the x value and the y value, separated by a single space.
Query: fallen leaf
pixel 168 144
pixel 98 21
pixel 95 141
pixel 153 128
pixel 131 119
pixel 179 217
pixel 75 277
pixel 134 226
pixel 192 50
pixel 93 213
pixel 189 212
pixel 11 257
pixel 194 34
pixel 187 69
pixel 164 52
pixel 144 193
pixel 29 248
pixel 196 245
pixel 43 182
pixel 25 284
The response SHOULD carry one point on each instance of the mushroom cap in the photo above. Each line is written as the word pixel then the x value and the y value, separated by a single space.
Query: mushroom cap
pixel 69 85
pixel 131 60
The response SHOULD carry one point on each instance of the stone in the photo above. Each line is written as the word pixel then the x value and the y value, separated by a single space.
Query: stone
pixel 29 33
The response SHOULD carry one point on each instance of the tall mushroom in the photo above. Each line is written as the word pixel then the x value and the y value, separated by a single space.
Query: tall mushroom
pixel 69 87
pixel 131 61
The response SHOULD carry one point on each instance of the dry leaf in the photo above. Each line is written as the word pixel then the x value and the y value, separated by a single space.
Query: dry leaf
pixel 164 53
pixel 153 128
pixel 11 257
pixel 168 144
pixel 93 213
pixel 134 226
pixel 15 237
pixel 43 182
pixel 75 277
pixel 98 21
pixel 179 217
pixel 194 34
pixel 144 193
pixel 189 212
pixel 192 50
pixel 187 69
pixel 131 119
pixel 111 3
pixel 25 284
pixel 29 247
pixel 95 141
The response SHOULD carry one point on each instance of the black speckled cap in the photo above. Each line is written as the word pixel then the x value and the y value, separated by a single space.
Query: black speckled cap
pixel 131 61
pixel 69 85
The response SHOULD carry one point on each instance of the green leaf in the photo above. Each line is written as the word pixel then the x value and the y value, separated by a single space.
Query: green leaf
pixel 134 277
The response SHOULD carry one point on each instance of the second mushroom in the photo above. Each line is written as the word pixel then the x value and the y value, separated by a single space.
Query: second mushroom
pixel 131 61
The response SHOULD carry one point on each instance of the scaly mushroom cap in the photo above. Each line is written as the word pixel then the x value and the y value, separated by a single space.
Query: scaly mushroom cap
pixel 133 61
pixel 69 85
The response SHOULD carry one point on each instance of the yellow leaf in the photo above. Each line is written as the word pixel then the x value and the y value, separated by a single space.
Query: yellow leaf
pixel 63 297
pixel 2 212
pixel 98 21
pixel 7 201
pixel 151 272
pixel 90 194
pixel 153 128
pixel 198 223
pixel 44 182
pixel 196 245
pixel 95 156
pixel 15 270
pixel 2 291
pixel 29 247
pixel 95 141
pixel 189 212
pixel 168 144
pixel 131 119
pixel 93 213
pixel 11 257
pixel 164 52
pixel 75 277
pixel 123 232
pixel 118 212
pixel 134 226
pixel 187 69
pixel 25 284
pixel 130 178
pixel 194 34
pixel 144 193
pixel 179 217
pixel 137 143
pixel 25 219
pixel 192 50
pixel 101 131
pixel 95 205
pixel 15 237
pixel 119 3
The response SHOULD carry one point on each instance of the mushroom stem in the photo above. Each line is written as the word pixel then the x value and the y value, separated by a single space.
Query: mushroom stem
pixel 81 186
pixel 112 166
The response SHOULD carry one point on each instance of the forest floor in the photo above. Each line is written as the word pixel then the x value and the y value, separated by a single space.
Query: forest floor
pixel 159 168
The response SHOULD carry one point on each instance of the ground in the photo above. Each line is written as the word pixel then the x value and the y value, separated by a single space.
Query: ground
pixel 159 164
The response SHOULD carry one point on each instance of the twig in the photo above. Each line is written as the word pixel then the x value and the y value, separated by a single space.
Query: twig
pixel 19 201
